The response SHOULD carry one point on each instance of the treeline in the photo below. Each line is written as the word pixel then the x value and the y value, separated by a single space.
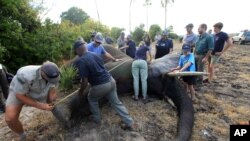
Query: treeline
pixel 25 39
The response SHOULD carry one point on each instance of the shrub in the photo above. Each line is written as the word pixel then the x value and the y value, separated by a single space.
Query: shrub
pixel 68 74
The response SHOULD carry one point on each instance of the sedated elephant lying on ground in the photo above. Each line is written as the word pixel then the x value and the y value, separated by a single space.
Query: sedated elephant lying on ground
pixel 159 84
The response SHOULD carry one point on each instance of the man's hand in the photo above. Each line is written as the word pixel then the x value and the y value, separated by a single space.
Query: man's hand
pixel 204 60
pixel 218 53
pixel 45 106
pixel 116 60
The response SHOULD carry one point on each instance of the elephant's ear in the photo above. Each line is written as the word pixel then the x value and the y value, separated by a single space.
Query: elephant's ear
pixel 115 52
pixel 164 64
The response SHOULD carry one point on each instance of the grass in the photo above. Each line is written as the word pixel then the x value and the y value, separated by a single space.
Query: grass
pixel 68 74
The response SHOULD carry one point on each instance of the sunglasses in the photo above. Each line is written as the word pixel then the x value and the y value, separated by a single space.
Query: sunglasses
pixel 97 42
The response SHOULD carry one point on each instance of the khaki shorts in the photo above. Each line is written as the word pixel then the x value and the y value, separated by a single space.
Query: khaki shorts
pixel 214 59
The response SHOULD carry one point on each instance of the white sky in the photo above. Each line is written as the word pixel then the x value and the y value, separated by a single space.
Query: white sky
pixel 234 14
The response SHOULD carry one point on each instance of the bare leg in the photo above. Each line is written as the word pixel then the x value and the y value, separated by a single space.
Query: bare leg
pixel 12 118
pixel 191 88
pixel 211 73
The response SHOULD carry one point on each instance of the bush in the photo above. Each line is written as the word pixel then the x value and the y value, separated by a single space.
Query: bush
pixel 115 32
pixel 173 36
pixel 68 74
pixel 153 30
pixel 138 34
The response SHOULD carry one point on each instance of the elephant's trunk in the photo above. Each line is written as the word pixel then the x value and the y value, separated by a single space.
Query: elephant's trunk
pixel 174 90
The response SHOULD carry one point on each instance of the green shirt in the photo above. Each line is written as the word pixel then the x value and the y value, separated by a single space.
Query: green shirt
pixel 204 43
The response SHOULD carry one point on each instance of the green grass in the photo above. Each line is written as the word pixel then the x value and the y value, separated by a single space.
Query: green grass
pixel 67 76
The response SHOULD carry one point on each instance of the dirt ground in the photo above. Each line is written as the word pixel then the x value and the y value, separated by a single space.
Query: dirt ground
pixel 220 104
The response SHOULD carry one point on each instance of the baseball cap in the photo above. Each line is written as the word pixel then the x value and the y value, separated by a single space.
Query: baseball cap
pixel 99 38
pixel 190 25
pixel 129 36
pixel 78 43
pixel 165 33
pixel 186 47
pixel 51 71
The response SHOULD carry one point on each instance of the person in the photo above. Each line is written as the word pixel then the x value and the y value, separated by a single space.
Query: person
pixel 92 37
pixel 164 46
pixel 121 42
pixel 220 38
pixel 140 70
pixel 157 37
pixel 203 48
pixel 190 38
pixel 108 40
pixel 92 70
pixel 187 63
pixel 147 39
pixel 130 47
pixel 96 47
pixel 33 86
pixel 210 31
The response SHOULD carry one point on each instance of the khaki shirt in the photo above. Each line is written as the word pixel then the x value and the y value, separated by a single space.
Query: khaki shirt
pixel 28 81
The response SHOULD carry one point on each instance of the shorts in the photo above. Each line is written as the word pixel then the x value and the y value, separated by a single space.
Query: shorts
pixel 190 80
pixel 214 59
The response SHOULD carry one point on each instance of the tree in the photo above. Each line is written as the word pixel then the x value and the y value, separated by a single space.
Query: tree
pixel 115 32
pixel 164 4
pixel 153 30
pixel 75 15
pixel 147 3
pixel 138 34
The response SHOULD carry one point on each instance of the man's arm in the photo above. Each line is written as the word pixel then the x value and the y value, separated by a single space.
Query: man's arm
pixel 109 56
pixel 171 46
pixel 210 43
pixel 84 85
pixel 29 101
pixel 229 44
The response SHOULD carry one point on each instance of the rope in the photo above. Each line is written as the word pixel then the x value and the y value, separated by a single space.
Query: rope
pixel 76 91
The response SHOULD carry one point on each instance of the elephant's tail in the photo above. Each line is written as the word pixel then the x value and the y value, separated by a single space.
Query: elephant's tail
pixel 174 90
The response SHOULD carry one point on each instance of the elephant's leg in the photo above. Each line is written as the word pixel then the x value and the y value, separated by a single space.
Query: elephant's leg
pixel 4 84
pixel 174 90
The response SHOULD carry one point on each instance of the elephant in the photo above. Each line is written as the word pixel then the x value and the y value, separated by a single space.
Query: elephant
pixel 159 83
pixel 5 79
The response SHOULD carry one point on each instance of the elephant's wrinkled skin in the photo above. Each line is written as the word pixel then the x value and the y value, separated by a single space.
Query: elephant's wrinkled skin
pixel 158 84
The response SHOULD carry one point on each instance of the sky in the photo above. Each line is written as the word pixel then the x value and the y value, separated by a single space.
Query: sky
pixel 115 13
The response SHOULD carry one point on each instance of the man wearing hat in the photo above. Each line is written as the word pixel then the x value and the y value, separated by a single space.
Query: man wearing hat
pixel 96 47
pixel 190 38
pixel 163 46
pixel 34 86
pixel 91 69
pixel 187 63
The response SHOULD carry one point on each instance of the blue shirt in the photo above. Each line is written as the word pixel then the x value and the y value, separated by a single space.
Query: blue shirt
pixel 163 47
pixel 189 39
pixel 91 66
pixel 141 52
pixel 185 59
pixel 204 43
pixel 219 41
pixel 130 51
pixel 98 50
